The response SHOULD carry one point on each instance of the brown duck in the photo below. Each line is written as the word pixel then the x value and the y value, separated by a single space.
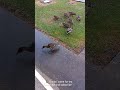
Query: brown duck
pixel 78 18
pixel 70 21
pixel 56 18
pixel 66 15
pixel 51 46
pixel 71 13
pixel 66 25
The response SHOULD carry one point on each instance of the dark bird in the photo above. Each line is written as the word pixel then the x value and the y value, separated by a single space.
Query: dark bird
pixel 56 18
pixel 66 15
pixel 30 48
pixel 69 30
pixel 51 46
pixel 71 13
pixel 66 25
pixel 70 21
pixel 78 18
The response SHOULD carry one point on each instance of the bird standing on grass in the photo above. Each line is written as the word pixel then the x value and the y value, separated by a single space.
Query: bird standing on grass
pixel 71 13
pixel 78 18
pixel 66 15
pixel 30 48
pixel 66 25
pixel 69 30
pixel 56 18
pixel 70 21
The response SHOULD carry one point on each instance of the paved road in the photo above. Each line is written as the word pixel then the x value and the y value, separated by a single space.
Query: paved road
pixel 16 72
pixel 60 66
pixel 38 85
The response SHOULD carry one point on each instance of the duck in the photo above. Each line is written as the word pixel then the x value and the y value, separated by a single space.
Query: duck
pixel 66 15
pixel 78 18
pixel 70 21
pixel 66 25
pixel 56 18
pixel 30 48
pixel 51 46
pixel 69 30
pixel 72 13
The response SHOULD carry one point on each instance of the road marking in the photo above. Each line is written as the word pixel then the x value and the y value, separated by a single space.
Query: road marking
pixel 42 81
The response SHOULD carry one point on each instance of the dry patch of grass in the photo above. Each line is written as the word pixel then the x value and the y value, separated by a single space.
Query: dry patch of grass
pixel 48 20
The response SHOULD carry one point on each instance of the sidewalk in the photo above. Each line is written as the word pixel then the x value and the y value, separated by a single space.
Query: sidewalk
pixel 62 65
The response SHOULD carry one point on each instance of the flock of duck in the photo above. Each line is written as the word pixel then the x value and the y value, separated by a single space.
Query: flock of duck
pixel 68 24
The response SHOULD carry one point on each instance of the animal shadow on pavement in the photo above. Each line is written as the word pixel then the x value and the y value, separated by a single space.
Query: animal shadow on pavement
pixel 52 52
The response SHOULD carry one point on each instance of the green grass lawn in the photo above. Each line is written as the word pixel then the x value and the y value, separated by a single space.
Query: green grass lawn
pixel 103 33
pixel 44 20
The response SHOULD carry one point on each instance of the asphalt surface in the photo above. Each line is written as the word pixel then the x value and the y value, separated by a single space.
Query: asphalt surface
pixel 38 85
pixel 15 71
pixel 60 66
